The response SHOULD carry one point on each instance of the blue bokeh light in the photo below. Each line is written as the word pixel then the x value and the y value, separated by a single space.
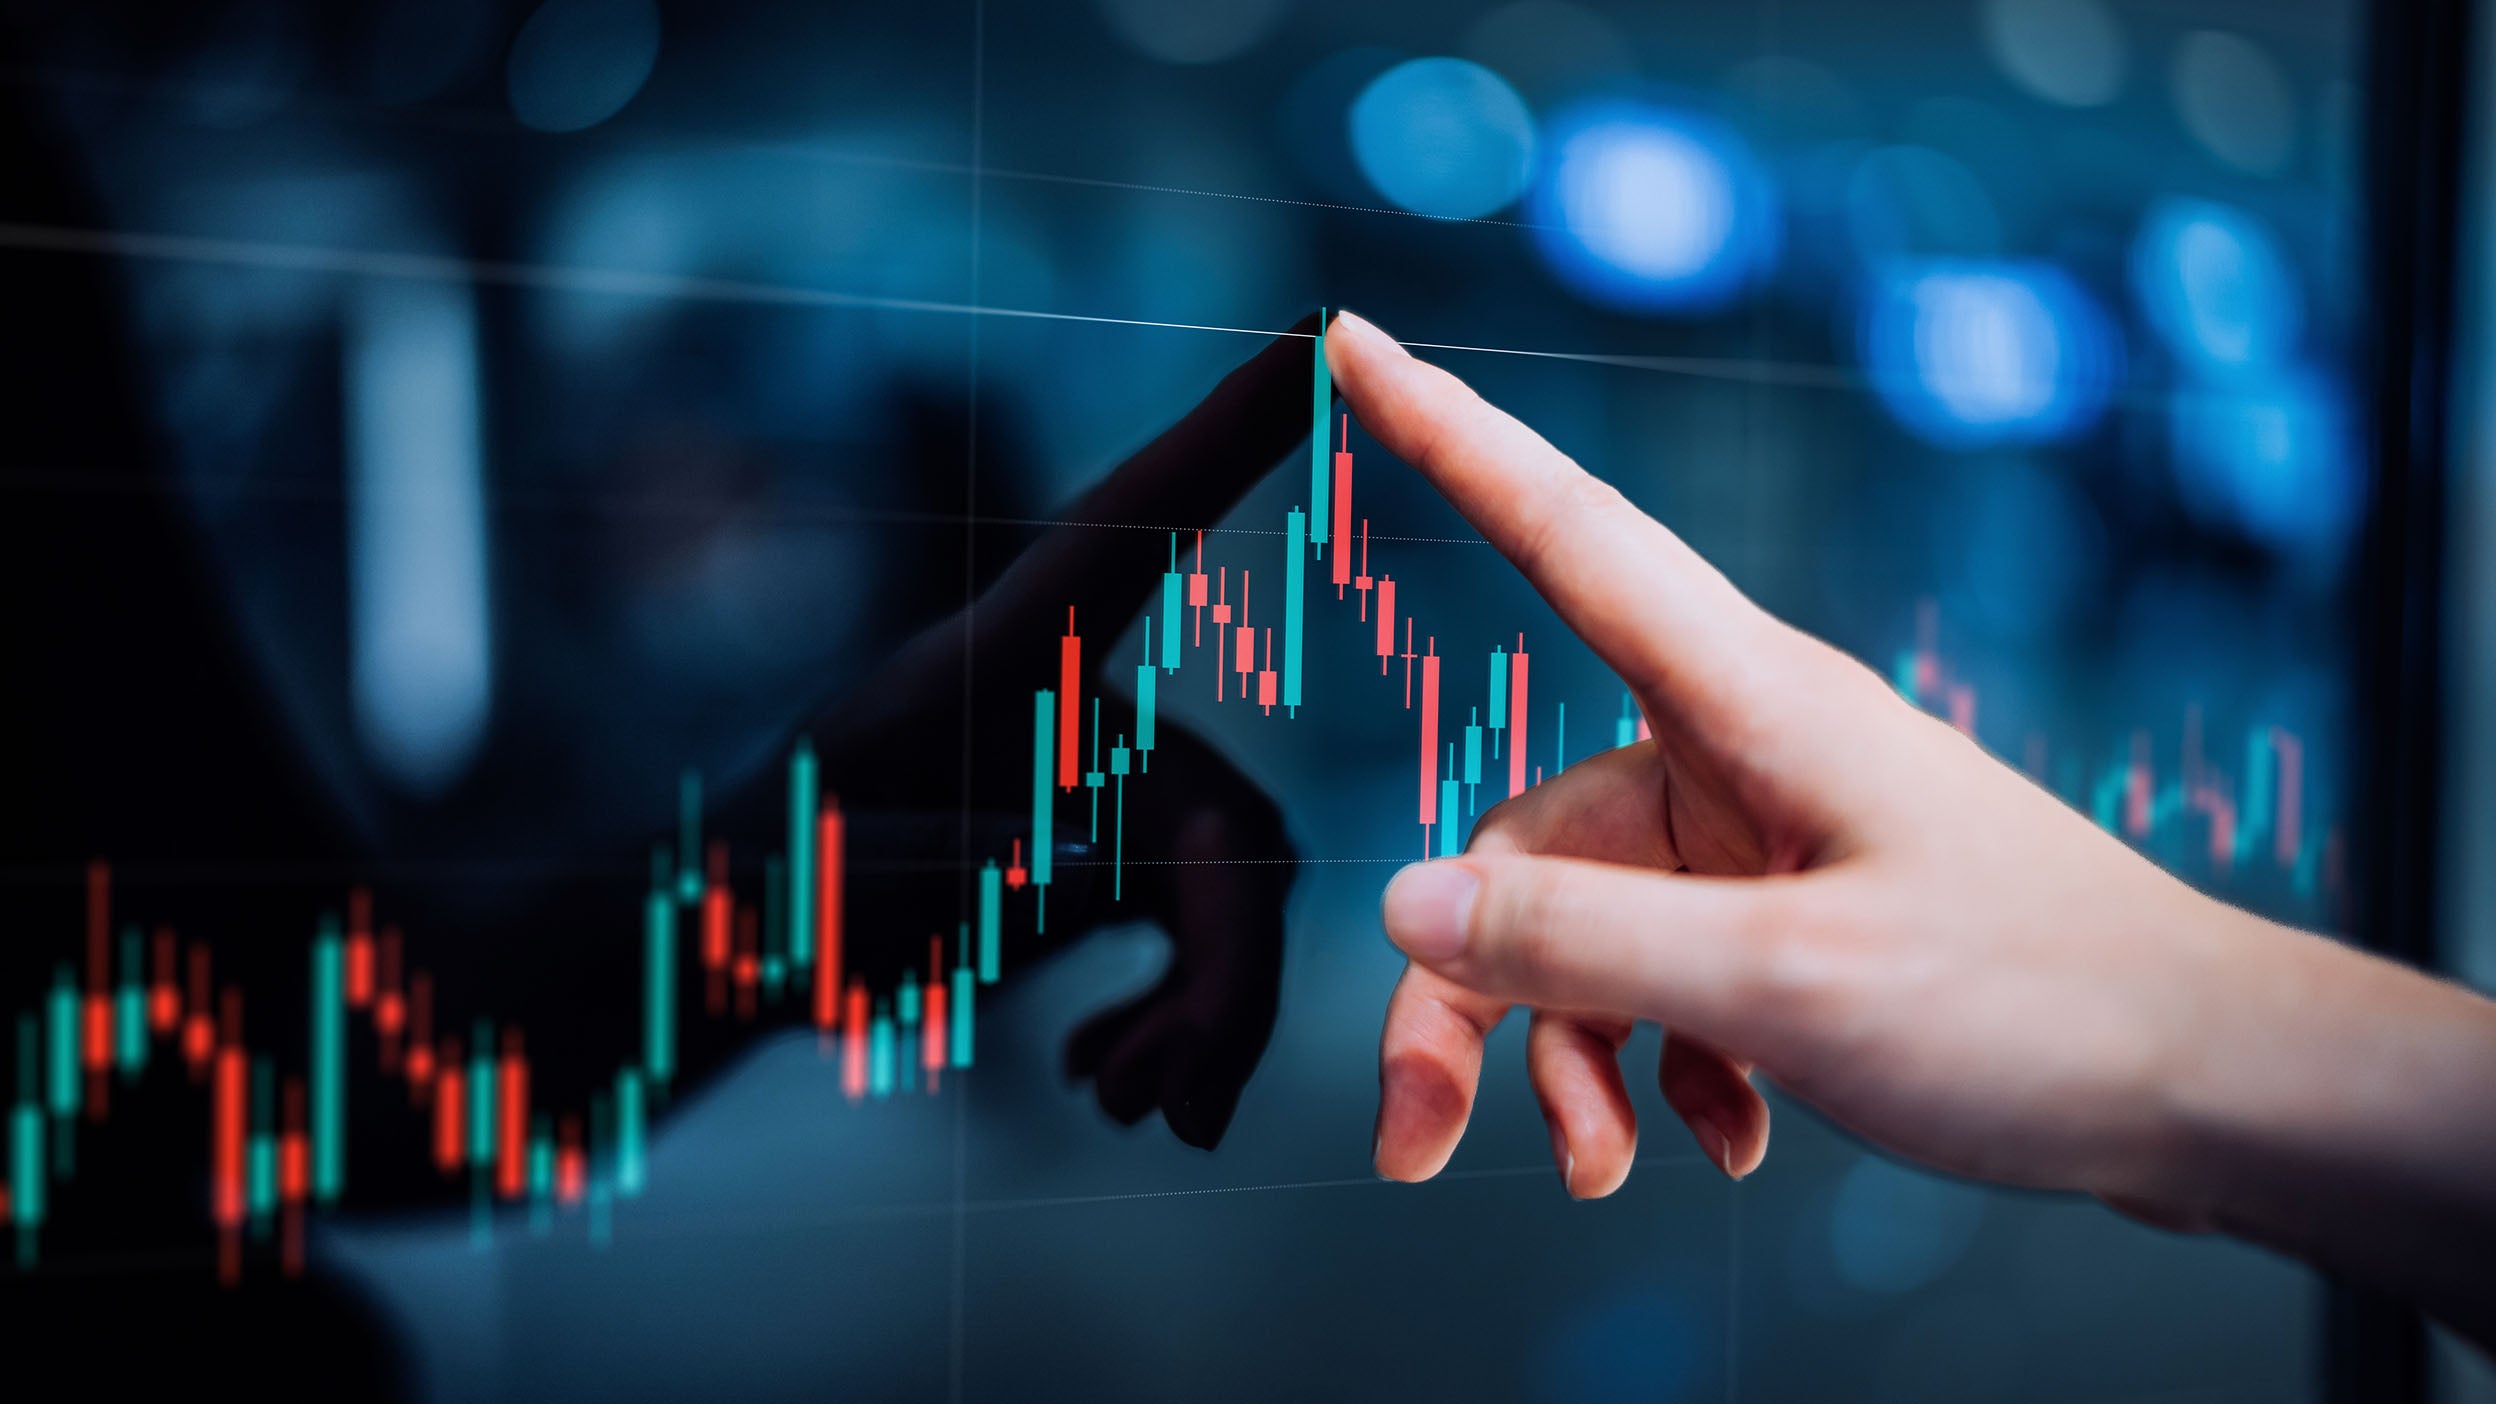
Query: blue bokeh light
pixel 1443 136
pixel 1647 209
pixel 1968 354
pixel 2275 462
pixel 2216 287
pixel 421 611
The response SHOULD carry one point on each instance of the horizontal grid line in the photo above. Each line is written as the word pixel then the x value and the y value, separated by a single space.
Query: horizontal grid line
pixel 282 257
pixel 250 253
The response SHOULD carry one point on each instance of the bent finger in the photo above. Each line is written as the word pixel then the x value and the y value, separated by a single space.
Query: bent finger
pixel 1607 807
pixel 1575 1065
pixel 1711 1091
pixel 1429 1065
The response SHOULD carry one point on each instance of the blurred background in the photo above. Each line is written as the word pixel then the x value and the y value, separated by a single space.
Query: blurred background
pixel 439 427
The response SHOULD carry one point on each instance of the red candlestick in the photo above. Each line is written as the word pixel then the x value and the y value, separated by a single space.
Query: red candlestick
pixel 1430 736
pixel 854 1043
pixel 164 995
pixel 511 1117
pixel 828 882
pixel 1516 719
pixel 359 949
pixel 571 1166
pixel 450 1111
pixel 96 1051
pixel 1343 510
pixel 1069 675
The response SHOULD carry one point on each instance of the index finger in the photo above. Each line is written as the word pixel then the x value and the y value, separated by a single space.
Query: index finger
pixel 1674 628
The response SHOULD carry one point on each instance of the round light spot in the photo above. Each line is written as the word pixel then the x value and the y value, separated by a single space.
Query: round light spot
pixel 2275 462
pixel 2235 102
pixel 2067 52
pixel 1967 354
pixel 577 62
pixel 1443 136
pixel 2215 285
pixel 1646 209
pixel 1197 31
pixel 1894 1230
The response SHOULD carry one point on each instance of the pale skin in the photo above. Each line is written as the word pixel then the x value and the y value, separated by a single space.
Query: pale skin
pixel 1802 876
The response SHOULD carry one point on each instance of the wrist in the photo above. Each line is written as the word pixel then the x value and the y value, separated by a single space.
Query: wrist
pixel 2337 1107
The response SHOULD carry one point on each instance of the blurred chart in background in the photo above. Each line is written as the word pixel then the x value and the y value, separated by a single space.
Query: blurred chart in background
pixel 650 768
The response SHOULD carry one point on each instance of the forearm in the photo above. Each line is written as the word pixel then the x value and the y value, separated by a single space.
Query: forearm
pixel 2343 1109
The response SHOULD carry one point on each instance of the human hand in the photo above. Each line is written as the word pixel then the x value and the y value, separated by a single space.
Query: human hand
pixel 1803 874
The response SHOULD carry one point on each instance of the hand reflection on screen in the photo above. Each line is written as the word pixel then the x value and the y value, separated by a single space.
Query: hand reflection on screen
pixel 1206 857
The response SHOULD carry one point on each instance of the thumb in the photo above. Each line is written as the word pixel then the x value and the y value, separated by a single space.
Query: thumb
pixel 1700 955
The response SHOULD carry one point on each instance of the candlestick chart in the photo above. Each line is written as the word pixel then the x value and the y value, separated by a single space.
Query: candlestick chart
pixel 2177 798
pixel 373 1034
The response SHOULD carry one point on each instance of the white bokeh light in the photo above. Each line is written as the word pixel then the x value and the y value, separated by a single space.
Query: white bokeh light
pixel 1985 346
pixel 1652 209
pixel 1971 353
pixel 1649 201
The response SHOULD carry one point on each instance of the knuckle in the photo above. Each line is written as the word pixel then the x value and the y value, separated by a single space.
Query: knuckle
pixel 1523 909
pixel 1501 826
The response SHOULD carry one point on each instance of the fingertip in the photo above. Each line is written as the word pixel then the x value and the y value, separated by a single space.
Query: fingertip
pixel 1562 1159
pixel 1713 1143
pixel 1574 1066
pixel 1429 1060
pixel 1735 1152
pixel 1364 333
pixel 1354 344
pixel 1421 1114
pixel 1609 1139
pixel 1596 1175
pixel 1428 908
pixel 1714 1098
